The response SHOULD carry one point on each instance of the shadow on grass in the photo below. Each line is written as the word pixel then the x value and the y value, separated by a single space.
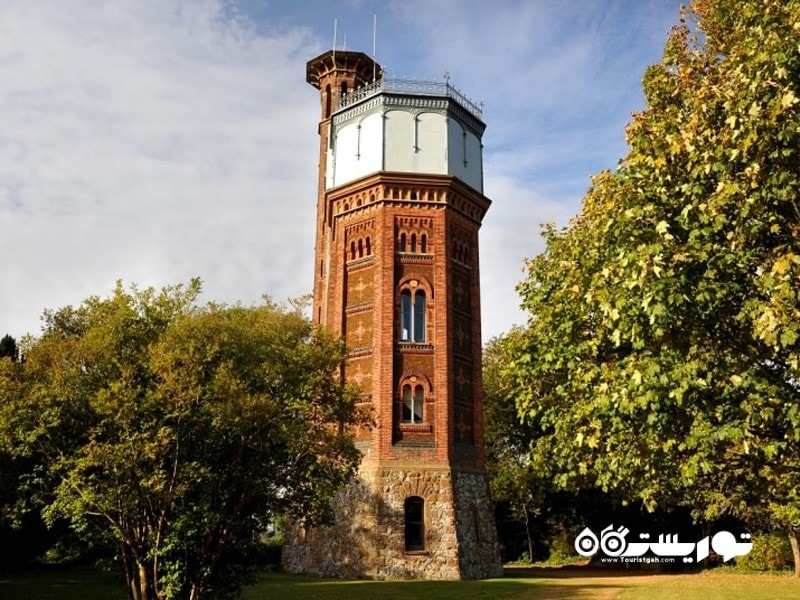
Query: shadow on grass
pixel 582 582
pixel 62 583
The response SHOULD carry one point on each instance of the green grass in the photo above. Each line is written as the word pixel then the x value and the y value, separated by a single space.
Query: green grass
pixel 719 584
pixel 59 583
pixel 520 583
pixel 538 583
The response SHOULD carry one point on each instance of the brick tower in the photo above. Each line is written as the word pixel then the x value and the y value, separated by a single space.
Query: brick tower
pixel 399 206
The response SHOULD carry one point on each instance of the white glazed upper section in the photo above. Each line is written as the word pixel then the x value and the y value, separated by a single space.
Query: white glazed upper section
pixel 407 132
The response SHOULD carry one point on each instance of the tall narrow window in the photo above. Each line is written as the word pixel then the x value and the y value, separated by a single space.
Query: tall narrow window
pixel 414 512
pixel 419 316
pixel 412 316
pixel 327 101
pixel 414 243
pixel 402 242
pixel 423 244
pixel 405 316
pixel 413 404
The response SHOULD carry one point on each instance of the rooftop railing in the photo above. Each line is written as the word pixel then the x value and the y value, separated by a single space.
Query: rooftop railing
pixel 413 87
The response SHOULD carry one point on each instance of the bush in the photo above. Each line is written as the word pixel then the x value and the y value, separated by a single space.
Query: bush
pixel 771 552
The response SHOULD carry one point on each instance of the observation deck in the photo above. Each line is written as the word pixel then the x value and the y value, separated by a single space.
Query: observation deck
pixel 411 87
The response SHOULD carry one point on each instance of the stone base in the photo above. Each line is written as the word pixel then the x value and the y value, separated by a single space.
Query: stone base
pixel 367 539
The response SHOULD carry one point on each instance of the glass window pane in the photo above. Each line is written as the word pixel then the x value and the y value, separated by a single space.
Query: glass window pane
pixel 419 317
pixel 408 404
pixel 405 316
pixel 419 404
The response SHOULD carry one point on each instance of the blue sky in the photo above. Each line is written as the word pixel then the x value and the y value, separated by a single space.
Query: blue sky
pixel 157 140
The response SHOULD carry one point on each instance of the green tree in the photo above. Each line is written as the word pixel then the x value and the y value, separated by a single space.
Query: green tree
pixel 8 347
pixel 178 432
pixel 662 355
pixel 506 441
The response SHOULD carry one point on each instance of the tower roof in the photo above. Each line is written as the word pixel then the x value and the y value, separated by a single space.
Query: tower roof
pixel 329 63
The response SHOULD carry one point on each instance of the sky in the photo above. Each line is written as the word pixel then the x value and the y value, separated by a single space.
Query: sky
pixel 153 141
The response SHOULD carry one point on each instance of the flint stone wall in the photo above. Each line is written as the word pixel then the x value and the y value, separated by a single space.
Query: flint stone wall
pixel 367 538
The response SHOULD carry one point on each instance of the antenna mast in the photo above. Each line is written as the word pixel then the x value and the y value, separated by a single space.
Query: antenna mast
pixel 335 25
pixel 374 37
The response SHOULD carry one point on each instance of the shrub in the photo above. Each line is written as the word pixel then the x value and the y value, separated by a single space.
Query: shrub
pixel 771 552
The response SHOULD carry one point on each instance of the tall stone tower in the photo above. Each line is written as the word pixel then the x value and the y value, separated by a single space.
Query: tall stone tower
pixel 399 206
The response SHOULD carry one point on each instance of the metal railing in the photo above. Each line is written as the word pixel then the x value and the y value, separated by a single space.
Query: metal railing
pixel 413 87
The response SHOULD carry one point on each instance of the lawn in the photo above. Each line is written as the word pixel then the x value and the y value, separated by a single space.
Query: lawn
pixel 579 583
pixel 539 583
pixel 51 583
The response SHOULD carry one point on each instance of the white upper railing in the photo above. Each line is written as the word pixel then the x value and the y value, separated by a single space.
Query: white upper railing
pixel 414 87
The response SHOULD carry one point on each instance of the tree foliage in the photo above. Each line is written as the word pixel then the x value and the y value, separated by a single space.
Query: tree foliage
pixel 662 356
pixel 178 432
pixel 8 347
pixel 506 441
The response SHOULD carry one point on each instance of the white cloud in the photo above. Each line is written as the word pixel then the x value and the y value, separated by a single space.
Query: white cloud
pixel 150 141
pixel 157 140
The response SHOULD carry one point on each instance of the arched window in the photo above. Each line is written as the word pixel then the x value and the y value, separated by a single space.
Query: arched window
pixel 402 242
pixel 414 516
pixel 360 248
pixel 369 246
pixel 352 250
pixel 327 101
pixel 412 316
pixel 413 404
pixel 423 244
pixel 414 243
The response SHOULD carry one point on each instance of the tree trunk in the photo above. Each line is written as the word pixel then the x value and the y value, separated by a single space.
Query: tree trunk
pixel 795 543
pixel 131 575
pixel 528 532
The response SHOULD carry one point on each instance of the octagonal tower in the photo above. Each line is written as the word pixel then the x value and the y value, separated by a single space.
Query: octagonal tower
pixel 399 206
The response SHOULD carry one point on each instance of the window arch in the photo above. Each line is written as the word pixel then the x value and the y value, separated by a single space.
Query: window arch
pixel 412 315
pixel 423 244
pixel 414 518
